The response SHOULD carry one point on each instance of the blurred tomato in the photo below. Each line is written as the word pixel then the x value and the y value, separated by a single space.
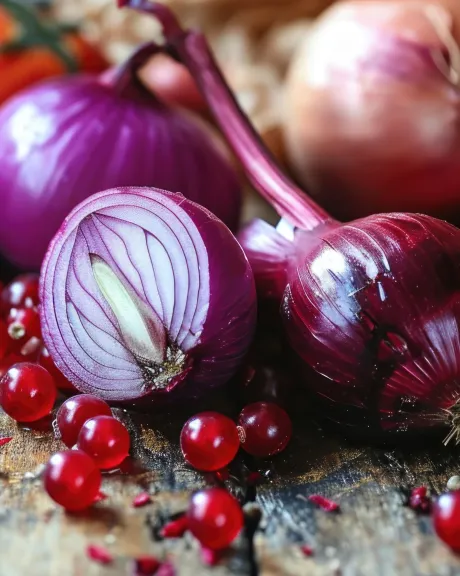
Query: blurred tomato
pixel 32 49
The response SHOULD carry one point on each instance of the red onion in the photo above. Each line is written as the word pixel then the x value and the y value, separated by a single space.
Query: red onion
pixel 68 138
pixel 145 293
pixel 371 308
pixel 372 115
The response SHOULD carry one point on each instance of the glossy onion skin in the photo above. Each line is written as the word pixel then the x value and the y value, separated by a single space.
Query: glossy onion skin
pixel 66 139
pixel 134 229
pixel 372 123
pixel 373 312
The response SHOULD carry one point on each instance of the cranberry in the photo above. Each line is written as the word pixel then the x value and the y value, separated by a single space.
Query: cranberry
pixel 22 292
pixel 45 360
pixel 72 479
pixel 215 518
pixel 27 392
pixel 106 440
pixel 265 429
pixel 75 412
pixel 446 519
pixel 209 441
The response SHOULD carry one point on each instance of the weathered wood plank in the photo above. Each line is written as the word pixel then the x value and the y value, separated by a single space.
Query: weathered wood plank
pixel 374 534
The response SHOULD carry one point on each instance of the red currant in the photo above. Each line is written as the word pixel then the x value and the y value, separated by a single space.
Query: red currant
pixel 265 429
pixel 72 479
pixel 27 392
pixel 4 340
pixel 215 518
pixel 446 519
pixel 209 441
pixel 45 360
pixel 24 331
pixel 106 440
pixel 74 412
pixel 22 292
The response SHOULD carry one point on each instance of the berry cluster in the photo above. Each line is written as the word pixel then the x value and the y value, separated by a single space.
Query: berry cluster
pixel 20 331
pixel 72 478
pixel 210 440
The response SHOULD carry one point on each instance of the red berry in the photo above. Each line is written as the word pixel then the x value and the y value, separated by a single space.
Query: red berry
pixel 265 429
pixel 209 441
pixel 22 292
pixel 446 519
pixel 24 324
pixel 75 412
pixel 72 479
pixel 45 360
pixel 27 392
pixel 106 440
pixel 215 518
pixel 24 332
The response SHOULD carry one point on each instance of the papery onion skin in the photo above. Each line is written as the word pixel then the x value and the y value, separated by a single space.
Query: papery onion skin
pixel 66 139
pixel 180 262
pixel 369 307
pixel 371 122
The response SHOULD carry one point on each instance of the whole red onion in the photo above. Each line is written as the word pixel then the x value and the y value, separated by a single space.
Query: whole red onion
pixel 372 114
pixel 371 308
pixel 145 293
pixel 68 138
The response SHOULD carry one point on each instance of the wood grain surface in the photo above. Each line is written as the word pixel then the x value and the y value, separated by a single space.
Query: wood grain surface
pixel 374 534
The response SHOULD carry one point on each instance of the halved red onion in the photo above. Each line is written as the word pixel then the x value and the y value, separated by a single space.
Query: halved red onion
pixel 142 290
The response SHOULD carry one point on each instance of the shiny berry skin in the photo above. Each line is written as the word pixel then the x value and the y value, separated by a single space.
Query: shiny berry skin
pixel 209 441
pixel 22 292
pixel 72 479
pixel 265 429
pixel 446 519
pixel 215 518
pixel 74 412
pixel 27 392
pixel 106 440
pixel 45 360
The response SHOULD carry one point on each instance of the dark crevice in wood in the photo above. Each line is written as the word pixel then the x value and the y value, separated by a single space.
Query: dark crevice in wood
pixel 252 521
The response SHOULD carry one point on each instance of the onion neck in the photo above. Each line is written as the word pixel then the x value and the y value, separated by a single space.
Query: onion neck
pixel 192 49
pixel 124 81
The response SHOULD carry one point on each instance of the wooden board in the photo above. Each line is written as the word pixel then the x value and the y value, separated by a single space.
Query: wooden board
pixel 373 535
